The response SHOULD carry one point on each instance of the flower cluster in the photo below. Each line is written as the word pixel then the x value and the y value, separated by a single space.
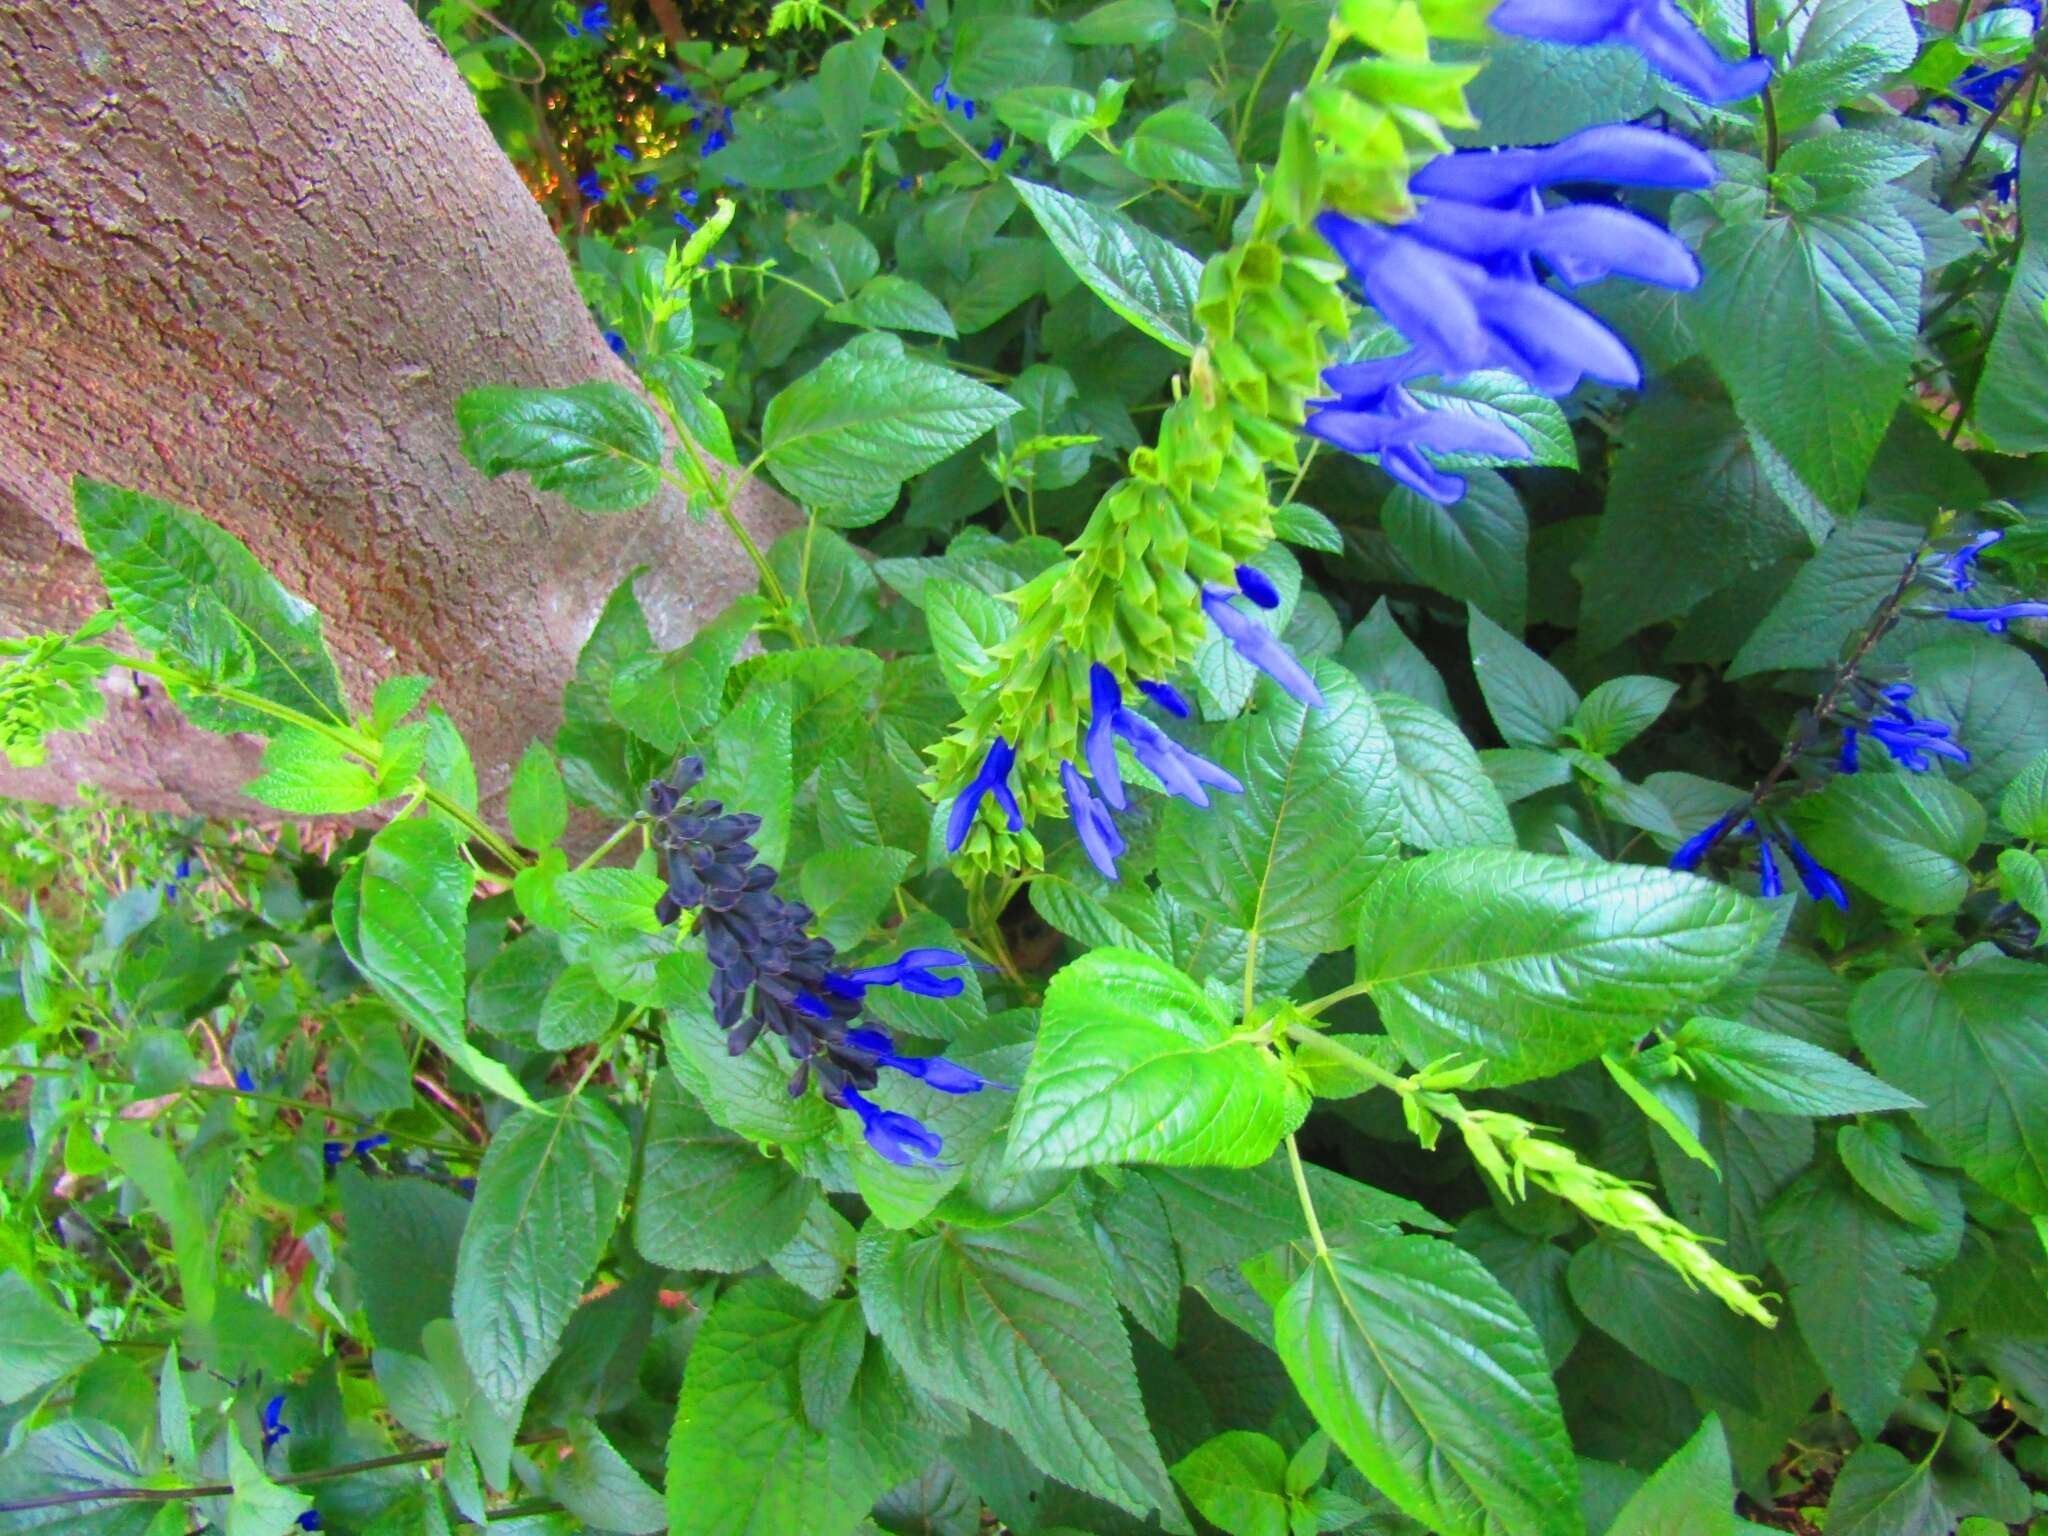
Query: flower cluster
pixel 593 21
pixel 1460 283
pixel 943 94
pixel 1182 773
pixel 1912 740
pixel 1818 881
pixel 1657 29
pixel 761 949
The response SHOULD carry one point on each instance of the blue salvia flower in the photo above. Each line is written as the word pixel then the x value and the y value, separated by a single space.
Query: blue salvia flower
pixel 1373 412
pixel 1094 824
pixel 993 779
pixel 967 108
pixel 616 342
pixel 591 188
pixel 310 1521
pixel 1694 848
pixel 625 153
pixel 647 186
pixel 685 220
pixel 914 971
pixel 1256 585
pixel 669 91
pixel 1769 883
pixel 1847 762
pixel 1820 883
pixel 1182 773
pixel 1657 29
pixel 1909 738
pixel 905 183
pixel 994 150
pixel 1996 619
pixel 897 1137
pixel 934 1072
pixel 1959 568
pixel 274 1426
pixel 1167 697
pixel 337 1152
pixel 592 21
pixel 689 196
pixel 244 1083
pixel 1257 645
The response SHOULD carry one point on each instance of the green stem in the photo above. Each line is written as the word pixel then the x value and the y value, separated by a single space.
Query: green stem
pixel 1251 101
pixel 1360 1063
pixel 605 847
pixel 1308 1203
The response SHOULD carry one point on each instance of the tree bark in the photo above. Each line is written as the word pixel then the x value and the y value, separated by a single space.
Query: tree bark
pixel 251 251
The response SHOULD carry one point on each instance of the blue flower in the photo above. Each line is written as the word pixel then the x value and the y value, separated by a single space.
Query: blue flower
pixel 1181 772
pixel 1847 762
pixel 616 342
pixel 1258 646
pixel 905 183
pixel 592 21
pixel 1620 154
pixel 671 92
pixel 994 150
pixel 992 779
pixel 591 188
pixel 1958 569
pixel 714 141
pixel 1694 848
pixel 913 971
pixel 244 1082
pixel 1255 584
pixel 1373 413
pixel 1909 738
pixel 967 109
pixel 1769 882
pixel 336 1152
pixel 646 186
pixel 896 1137
pixel 933 1071
pixel 310 1520
pixel 1995 620
pixel 1657 29
pixel 274 1426
pixel 685 220
pixel 1093 822
pixel 689 197
pixel 624 153
pixel 1820 884
pixel 1167 697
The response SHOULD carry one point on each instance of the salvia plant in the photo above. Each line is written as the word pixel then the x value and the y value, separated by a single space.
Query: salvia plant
pixel 1373 865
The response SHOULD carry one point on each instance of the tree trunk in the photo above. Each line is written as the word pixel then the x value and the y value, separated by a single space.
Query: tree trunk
pixel 251 251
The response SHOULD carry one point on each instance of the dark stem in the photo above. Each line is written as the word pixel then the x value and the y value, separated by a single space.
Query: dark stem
pixel 222 1490
pixel 2027 77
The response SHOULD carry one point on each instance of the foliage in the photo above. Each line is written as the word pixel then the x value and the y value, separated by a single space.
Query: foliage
pixel 1283 914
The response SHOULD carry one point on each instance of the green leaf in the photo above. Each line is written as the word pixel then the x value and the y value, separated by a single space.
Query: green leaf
pixel 1879 1492
pixel 1973 1041
pixel 1476 550
pixel 150 1164
pixel 1299 523
pixel 1876 1159
pixel 1905 838
pixel 744 1460
pixel 1860 1303
pixel 1528 698
pixel 710 1199
pixel 868 418
pixel 1123 23
pixel 2008 407
pixel 996 53
pixel 602 765
pixel 1238 1481
pixel 1267 860
pixel 816 1259
pixel 829 580
pixel 1836 289
pixel 1179 144
pixel 404 928
pixel 596 444
pixel 1380 655
pixel 848 888
pixel 1692 1494
pixel 1132 1233
pixel 537 805
pixel 1533 964
pixel 1618 711
pixel 965 626
pixel 1994 696
pixel 1019 1322
pixel 1779 1074
pixel 1536 93
pixel 1842 49
pixel 1631 1295
pixel 306 774
pixel 1134 1063
pixel 891 302
pixel 672 699
pixel 576 1011
pixel 601 1488
pixel 1433 1383
pixel 1832 598
pixel 40 1342
pixel 547 1197
pixel 78 1455
pixel 1447 800
pixel 176 579
pixel 2023 809
pixel 1498 396
pixel 610 899
pixel 750 763
pixel 1148 280
pixel 424 1222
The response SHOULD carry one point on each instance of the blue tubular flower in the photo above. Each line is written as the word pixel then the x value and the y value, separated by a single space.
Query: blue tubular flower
pixel 1582 243
pixel 647 186
pixel 1694 848
pixel 689 196
pixel 274 1426
pixel 896 1137
pixel 1620 154
pixel 309 1520
pixel 591 188
pixel 992 779
pixel 995 146
pixel 1657 29
pixel 1254 584
pixel 670 92
pixel 337 1152
pixel 933 1071
pixel 1769 883
pixel 1848 760
pixel 913 970
pixel 244 1083
pixel 592 21
pixel 1373 413
pixel 1995 620
pixel 714 141
pixel 1820 884
pixel 1096 828
pixel 1179 771
pixel 1098 746
pixel 1909 738
pixel 1167 697
pixel 625 153
pixel 1255 644
pixel 685 220
pixel 616 342
pixel 1959 567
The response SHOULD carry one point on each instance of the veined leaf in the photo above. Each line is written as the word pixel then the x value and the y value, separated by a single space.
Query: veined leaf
pixel 596 444
pixel 1144 277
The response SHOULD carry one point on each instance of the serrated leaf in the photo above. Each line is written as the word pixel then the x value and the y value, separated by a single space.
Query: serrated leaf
pixel 1532 964
pixel 576 1011
pixel 1905 838
pixel 710 1199
pixel 868 418
pixel 1691 1494
pixel 40 1343
pixel 1631 1295
pixel 1528 698
pixel 1019 1322
pixel 848 888
pixel 595 444
pixel 892 302
pixel 1618 711
pixel 1268 860
pixel 2008 407
pixel 1134 1063
pixel 670 700
pixel 1877 1162
pixel 1447 800
pixel 1476 550
pixel 1879 1492
pixel 1433 1383
pixel 1778 1074
pixel 547 1197
pixel 1179 144
pixel 1238 1481
pixel 1832 598
pixel 1145 278
pixel 965 626
pixel 306 774
pixel 537 804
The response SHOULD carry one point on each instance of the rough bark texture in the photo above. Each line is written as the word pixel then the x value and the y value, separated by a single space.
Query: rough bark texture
pixel 251 251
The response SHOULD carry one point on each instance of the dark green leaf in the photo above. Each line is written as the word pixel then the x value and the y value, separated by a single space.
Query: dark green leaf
pixel 1148 280
pixel 1905 838
pixel 40 1342
pixel 1475 550
pixel 1528 698
pixel 1760 1069
pixel 709 1199
pixel 595 443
